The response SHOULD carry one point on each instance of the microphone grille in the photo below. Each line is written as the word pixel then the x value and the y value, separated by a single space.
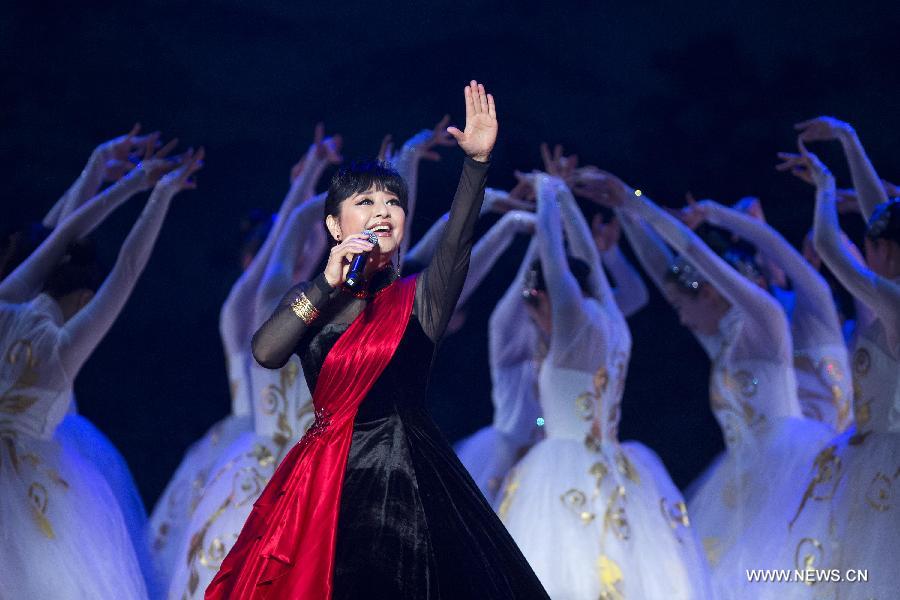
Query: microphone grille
pixel 373 239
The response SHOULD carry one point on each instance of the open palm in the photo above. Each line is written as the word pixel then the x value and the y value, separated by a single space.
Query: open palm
pixel 480 134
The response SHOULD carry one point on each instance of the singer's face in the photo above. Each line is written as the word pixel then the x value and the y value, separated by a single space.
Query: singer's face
pixel 378 211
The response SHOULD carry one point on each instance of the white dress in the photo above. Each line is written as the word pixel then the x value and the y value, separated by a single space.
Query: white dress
pixel 824 382
pixel 739 503
pixel 846 519
pixel 74 342
pixel 489 453
pixel 62 534
pixel 595 518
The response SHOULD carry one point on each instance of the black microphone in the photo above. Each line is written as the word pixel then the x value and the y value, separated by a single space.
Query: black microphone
pixel 358 264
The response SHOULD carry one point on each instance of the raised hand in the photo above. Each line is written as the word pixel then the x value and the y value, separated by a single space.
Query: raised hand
pixel 322 148
pixel 600 187
pixel 819 173
pixel 480 134
pixel 439 137
pixel 694 214
pixel 823 129
pixel 121 155
pixel 557 164
pixel 182 176
pixel 794 164
pixel 155 162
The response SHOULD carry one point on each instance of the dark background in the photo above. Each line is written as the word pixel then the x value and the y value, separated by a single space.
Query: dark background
pixel 672 96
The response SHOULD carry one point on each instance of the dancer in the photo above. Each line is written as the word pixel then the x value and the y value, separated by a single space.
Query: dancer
pixel 405 520
pixel 845 519
pixel 820 356
pixel 753 389
pixel 55 505
pixel 594 517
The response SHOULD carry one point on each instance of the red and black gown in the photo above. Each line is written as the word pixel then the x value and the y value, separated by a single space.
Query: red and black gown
pixel 407 522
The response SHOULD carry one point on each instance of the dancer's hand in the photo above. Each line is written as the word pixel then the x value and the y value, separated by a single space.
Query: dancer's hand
pixel 439 137
pixel 823 129
pixel 322 149
pixel 480 134
pixel 820 174
pixel 340 256
pixel 122 154
pixel 155 162
pixel 557 164
pixel 601 187
pixel 182 177
pixel 795 165
pixel 694 213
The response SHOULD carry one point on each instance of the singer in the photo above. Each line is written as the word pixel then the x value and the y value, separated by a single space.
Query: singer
pixel 372 502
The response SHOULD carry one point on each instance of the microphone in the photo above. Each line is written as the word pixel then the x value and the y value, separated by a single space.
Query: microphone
pixel 358 264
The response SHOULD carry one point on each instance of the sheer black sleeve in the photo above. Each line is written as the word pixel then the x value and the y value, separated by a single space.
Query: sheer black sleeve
pixel 442 280
pixel 278 337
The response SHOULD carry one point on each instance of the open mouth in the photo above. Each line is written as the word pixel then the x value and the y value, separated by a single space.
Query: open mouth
pixel 382 230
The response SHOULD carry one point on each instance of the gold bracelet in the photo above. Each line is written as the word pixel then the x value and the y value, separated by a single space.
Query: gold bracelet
pixel 304 309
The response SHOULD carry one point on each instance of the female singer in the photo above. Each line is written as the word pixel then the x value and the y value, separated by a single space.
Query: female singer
pixel 372 501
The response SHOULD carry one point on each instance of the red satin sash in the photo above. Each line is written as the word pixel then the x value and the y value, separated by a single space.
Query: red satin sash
pixel 286 548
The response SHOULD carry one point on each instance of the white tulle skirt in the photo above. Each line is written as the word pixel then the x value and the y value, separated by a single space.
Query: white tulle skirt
pixel 607 523
pixel 169 521
pixel 843 523
pixel 62 534
pixel 93 445
pixel 488 455
pixel 236 481
pixel 744 508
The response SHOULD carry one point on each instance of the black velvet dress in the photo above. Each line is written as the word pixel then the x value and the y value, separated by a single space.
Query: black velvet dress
pixel 412 524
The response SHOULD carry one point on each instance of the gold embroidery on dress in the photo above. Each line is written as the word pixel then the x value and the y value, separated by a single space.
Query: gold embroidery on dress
pixel 614 519
pixel 577 502
pixel 828 471
pixel 509 490
pixel 675 514
pixel 810 554
pixel 14 401
pixel 626 468
pixel 610 575
pixel 828 371
pixel 880 491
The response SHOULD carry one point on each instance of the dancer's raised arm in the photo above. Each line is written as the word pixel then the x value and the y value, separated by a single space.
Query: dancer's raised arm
pixel 27 279
pixel 869 187
pixel 88 326
pixel 880 294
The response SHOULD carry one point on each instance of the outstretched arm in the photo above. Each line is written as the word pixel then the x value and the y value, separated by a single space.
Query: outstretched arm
pixel 83 332
pixel 28 278
pixel 442 281
pixel 492 245
pixel 562 287
pixel 880 295
pixel 814 299
pixel 869 187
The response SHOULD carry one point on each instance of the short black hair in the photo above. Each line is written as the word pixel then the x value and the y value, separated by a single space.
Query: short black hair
pixel 79 269
pixel 363 175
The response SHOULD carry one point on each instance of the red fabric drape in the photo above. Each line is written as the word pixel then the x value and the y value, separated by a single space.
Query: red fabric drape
pixel 286 548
